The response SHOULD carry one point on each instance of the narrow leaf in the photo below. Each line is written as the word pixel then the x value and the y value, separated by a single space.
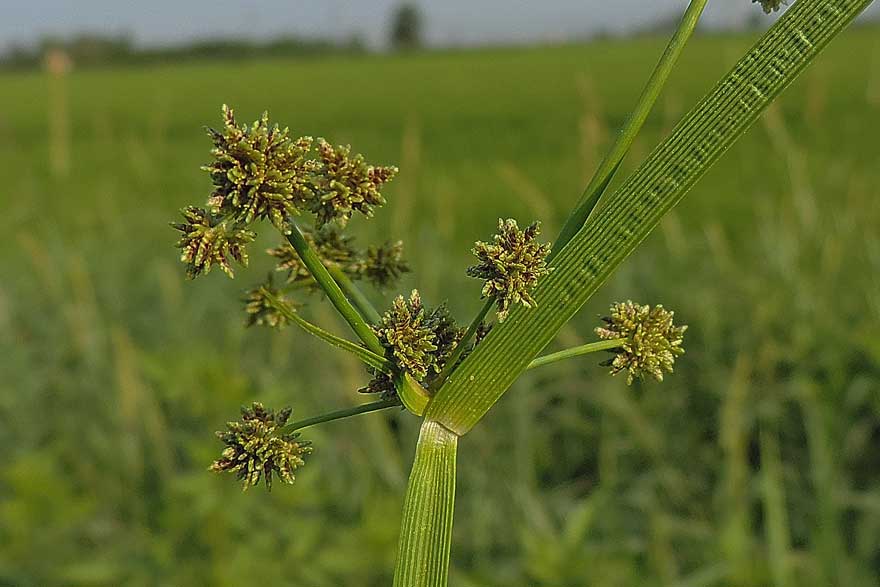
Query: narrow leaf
pixel 635 208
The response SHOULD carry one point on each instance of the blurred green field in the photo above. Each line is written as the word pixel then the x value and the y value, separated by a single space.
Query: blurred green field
pixel 757 463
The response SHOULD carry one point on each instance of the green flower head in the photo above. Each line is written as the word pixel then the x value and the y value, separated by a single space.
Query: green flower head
pixel 651 340
pixel 511 265
pixel 207 240
pixel 770 5
pixel 447 335
pixel 408 336
pixel 384 265
pixel 419 342
pixel 256 447
pixel 264 306
pixel 258 171
pixel 346 184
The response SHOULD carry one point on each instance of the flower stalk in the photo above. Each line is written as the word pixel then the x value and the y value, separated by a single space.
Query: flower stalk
pixel 354 293
pixel 578 351
pixel 609 166
pixel 463 344
pixel 375 406
pixel 334 293
pixel 368 357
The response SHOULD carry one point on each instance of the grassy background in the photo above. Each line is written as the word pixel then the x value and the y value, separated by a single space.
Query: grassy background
pixel 755 464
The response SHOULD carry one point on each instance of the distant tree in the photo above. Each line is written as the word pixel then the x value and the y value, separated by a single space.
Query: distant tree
pixel 406 27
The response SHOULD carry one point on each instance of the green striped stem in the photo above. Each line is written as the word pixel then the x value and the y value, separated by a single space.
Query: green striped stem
pixel 426 530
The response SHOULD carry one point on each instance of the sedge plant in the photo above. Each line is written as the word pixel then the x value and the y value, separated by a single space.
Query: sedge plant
pixel 417 358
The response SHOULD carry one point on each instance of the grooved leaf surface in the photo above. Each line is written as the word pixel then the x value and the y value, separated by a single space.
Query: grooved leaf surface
pixel 635 208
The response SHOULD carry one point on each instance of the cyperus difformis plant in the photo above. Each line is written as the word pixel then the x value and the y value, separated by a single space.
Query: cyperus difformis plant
pixel 417 356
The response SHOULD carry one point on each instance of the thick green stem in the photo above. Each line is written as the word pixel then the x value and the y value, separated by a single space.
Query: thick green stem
pixel 601 345
pixel 346 413
pixel 462 345
pixel 313 263
pixel 608 168
pixel 367 356
pixel 354 294
pixel 426 530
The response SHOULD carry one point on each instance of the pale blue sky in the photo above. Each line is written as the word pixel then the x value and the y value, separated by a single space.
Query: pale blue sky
pixel 448 22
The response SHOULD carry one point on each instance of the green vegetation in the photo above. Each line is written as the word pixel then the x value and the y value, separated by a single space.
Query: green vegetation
pixel 754 465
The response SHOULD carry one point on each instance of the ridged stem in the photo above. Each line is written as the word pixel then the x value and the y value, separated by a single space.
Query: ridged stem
pixel 426 529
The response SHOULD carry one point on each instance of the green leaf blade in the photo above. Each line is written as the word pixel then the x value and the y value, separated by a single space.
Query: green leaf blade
pixel 636 207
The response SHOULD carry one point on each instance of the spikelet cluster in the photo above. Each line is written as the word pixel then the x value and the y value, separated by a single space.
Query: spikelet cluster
pixel 258 171
pixel 404 331
pixel 652 340
pixel 257 447
pixel 383 265
pixel 417 340
pixel 207 240
pixel 346 184
pixel 511 265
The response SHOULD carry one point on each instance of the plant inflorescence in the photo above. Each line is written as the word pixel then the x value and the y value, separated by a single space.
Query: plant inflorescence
pixel 651 340
pixel 258 447
pixel 418 357
pixel 259 174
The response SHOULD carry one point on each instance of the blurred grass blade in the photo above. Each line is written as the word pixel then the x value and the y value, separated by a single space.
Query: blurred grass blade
pixel 775 508
pixel 636 207
pixel 628 133
pixel 426 531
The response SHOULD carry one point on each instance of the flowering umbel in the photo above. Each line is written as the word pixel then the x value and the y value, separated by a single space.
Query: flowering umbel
pixel 511 265
pixel 651 340
pixel 770 5
pixel 258 171
pixel 346 184
pixel 207 240
pixel 257 447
